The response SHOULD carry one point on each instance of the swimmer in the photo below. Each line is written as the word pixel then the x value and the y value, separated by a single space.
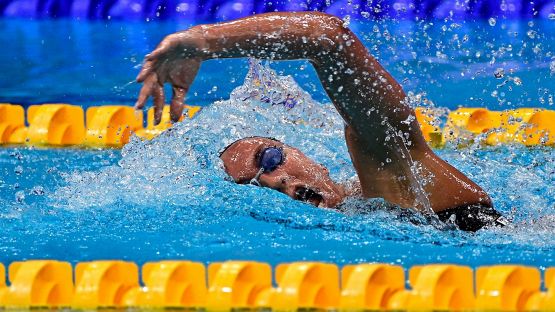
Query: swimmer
pixel 381 131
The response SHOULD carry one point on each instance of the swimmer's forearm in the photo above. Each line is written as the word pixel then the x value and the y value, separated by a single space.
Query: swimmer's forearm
pixel 275 36
pixel 321 38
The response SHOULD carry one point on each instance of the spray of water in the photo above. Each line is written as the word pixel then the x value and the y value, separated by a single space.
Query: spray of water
pixel 181 169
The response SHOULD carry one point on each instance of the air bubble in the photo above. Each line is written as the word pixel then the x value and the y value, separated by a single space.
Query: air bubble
pixel 492 21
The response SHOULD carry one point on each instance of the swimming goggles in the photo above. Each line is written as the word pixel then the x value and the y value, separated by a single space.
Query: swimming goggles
pixel 270 158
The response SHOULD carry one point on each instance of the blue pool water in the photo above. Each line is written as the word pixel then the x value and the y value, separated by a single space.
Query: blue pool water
pixel 452 62
pixel 170 199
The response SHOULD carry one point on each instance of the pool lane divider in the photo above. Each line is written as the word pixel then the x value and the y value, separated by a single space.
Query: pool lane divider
pixel 112 125
pixel 232 285
pixel 64 125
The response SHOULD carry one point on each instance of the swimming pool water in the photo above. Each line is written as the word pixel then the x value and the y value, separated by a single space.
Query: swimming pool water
pixel 170 199
pixel 452 62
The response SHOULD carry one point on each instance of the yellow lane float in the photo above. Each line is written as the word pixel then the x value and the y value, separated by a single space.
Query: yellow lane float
pixel 3 288
pixel 111 125
pixel 505 287
pixel 465 123
pixel 12 124
pixel 38 283
pixel 544 301
pixel 436 288
pixel 540 129
pixel 103 283
pixel 237 284
pixel 241 285
pixel 512 123
pixel 306 285
pixel 169 284
pixel 152 130
pixel 55 124
pixel 429 125
pixel 369 287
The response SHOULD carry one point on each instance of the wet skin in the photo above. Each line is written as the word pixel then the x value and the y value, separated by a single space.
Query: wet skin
pixel 385 143
pixel 296 175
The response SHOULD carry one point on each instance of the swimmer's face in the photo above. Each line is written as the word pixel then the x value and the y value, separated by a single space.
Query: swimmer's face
pixel 297 176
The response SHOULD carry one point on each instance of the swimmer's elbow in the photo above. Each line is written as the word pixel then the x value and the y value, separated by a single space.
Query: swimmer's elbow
pixel 330 35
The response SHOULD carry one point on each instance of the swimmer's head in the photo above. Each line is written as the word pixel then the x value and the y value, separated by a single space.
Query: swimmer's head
pixel 295 174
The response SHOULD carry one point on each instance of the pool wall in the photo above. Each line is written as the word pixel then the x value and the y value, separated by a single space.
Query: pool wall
pixel 112 125
pixel 287 287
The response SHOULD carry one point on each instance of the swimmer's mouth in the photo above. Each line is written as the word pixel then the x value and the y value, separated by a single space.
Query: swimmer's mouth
pixel 308 195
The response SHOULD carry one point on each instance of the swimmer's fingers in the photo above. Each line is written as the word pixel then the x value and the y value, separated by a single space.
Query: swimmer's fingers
pixel 152 87
pixel 176 106
pixel 159 99
pixel 149 83
pixel 147 68
pixel 181 76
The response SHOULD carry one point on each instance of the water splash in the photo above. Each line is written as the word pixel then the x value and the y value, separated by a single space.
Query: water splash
pixel 174 186
pixel 184 160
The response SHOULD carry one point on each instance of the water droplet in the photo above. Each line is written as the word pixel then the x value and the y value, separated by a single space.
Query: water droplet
pixel 492 21
pixel 531 34
pixel 346 21
pixel 551 16
pixel 499 73
pixel 18 170
pixel 37 190
pixel 19 196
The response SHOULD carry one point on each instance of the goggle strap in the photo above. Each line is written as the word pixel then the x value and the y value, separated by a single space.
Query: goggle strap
pixel 256 177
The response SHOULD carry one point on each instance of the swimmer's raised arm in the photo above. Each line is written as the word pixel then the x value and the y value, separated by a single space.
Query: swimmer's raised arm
pixel 388 150
pixel 335 51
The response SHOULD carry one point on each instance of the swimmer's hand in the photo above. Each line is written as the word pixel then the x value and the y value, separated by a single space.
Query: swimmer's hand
pixel 176 60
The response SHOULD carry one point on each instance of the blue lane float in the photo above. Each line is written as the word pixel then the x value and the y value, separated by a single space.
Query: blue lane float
pixel 228 9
